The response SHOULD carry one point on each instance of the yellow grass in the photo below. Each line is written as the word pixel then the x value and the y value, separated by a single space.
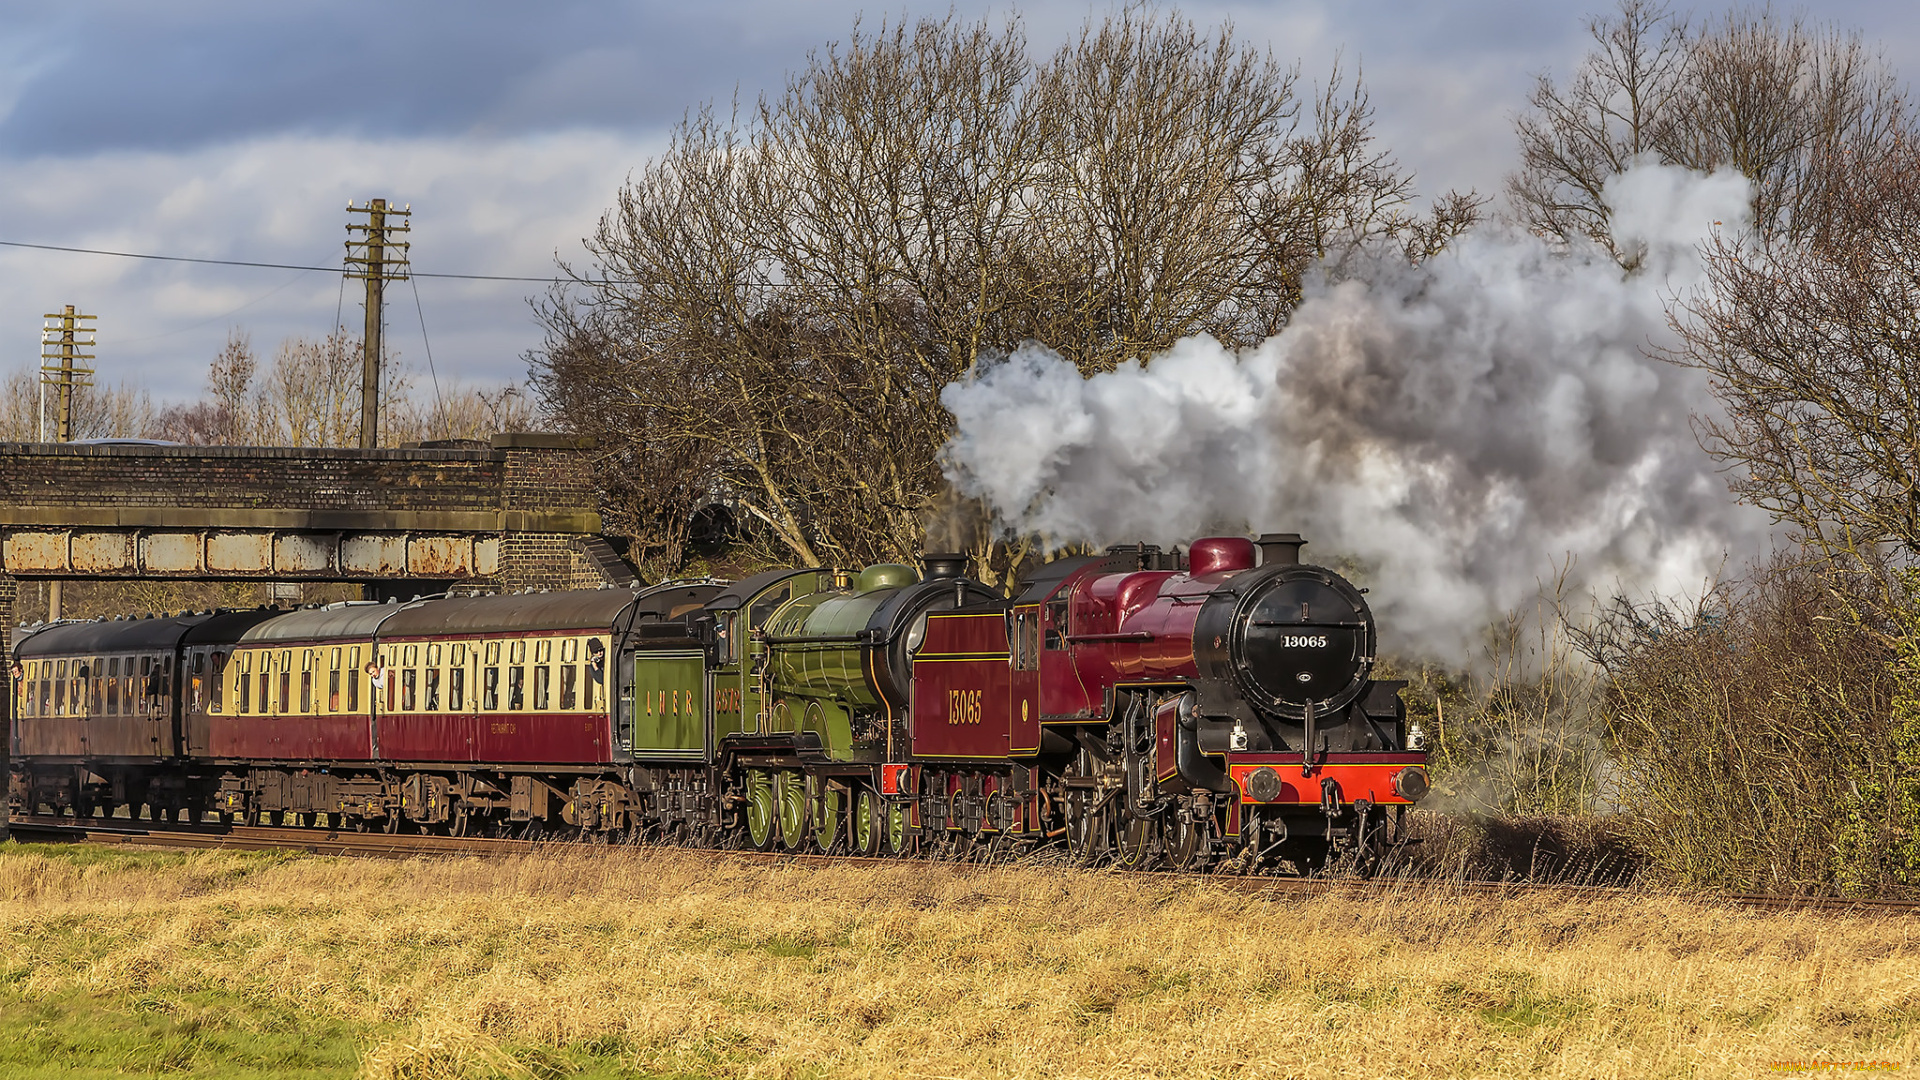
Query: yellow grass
pixel 679 964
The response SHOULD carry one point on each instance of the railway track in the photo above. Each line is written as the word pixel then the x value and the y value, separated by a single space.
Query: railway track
pixel 317 841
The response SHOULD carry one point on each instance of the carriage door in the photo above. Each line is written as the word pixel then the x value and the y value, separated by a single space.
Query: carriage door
pixel 196 701
pixel 156 672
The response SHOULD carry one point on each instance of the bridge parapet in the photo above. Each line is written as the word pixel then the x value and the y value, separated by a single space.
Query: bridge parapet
pixel 518 512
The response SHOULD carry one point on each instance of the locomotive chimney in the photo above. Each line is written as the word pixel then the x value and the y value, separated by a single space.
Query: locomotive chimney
pixel 1280 549
pixel 943 564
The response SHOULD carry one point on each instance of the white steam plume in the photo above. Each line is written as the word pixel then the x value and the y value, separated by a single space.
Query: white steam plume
pixel 1460 428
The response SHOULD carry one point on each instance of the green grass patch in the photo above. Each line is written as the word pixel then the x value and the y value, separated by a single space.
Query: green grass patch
pixel 227 867
pixel 72 1035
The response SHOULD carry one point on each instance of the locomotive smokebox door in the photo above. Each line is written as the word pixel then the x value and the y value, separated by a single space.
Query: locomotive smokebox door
pixel 1302 640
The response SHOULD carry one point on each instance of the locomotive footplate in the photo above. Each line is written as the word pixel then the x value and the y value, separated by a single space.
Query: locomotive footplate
pixel 1374 778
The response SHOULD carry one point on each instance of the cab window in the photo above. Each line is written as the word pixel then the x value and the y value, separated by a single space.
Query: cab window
pixel 1057 624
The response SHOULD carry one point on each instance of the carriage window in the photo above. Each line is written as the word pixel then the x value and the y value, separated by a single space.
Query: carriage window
pixel 96 689
pixel 353 680
pixel 596 674
pixel 569 650
pixel 199 677
pixel 110 703
pixel 490 688
pixel 265 704
pixel 543 651
pixel 243 682
pixel 457 688
pixel 306 680
pixel 542 676
pixel 60 688
pixel 46 689
pixel 333 680
pixel 409 685
pixel 596 660
pixel 518 653
pixel 217 682
pixel 435 656
pixel 569 686
pixel 516 687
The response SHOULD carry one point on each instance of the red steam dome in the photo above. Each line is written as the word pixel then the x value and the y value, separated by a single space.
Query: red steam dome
pixel 1219 554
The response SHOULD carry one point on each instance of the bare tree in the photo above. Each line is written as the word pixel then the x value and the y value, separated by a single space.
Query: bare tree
pixel 1777 100
pixel 1813 346
pixel 774 304
pixel 472 412
pixel 310 395
pixel 112 411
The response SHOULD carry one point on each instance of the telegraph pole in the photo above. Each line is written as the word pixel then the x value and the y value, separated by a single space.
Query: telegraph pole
pixel 375 255
pixel 62 337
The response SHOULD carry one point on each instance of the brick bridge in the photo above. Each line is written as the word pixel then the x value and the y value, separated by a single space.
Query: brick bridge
pixel 519 513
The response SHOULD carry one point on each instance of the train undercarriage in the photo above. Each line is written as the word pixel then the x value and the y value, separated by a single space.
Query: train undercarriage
pixel 1097 802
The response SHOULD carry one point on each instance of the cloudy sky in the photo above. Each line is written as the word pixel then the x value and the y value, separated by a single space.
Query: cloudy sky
pixel 241 131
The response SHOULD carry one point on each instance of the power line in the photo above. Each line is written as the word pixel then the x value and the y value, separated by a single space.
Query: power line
pixel 422 312
pixel 259 265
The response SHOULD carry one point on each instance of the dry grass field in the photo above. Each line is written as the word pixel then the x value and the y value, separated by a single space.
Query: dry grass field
pixel 667 964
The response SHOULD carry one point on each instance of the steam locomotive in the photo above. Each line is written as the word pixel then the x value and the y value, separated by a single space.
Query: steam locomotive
pixel 1208 708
